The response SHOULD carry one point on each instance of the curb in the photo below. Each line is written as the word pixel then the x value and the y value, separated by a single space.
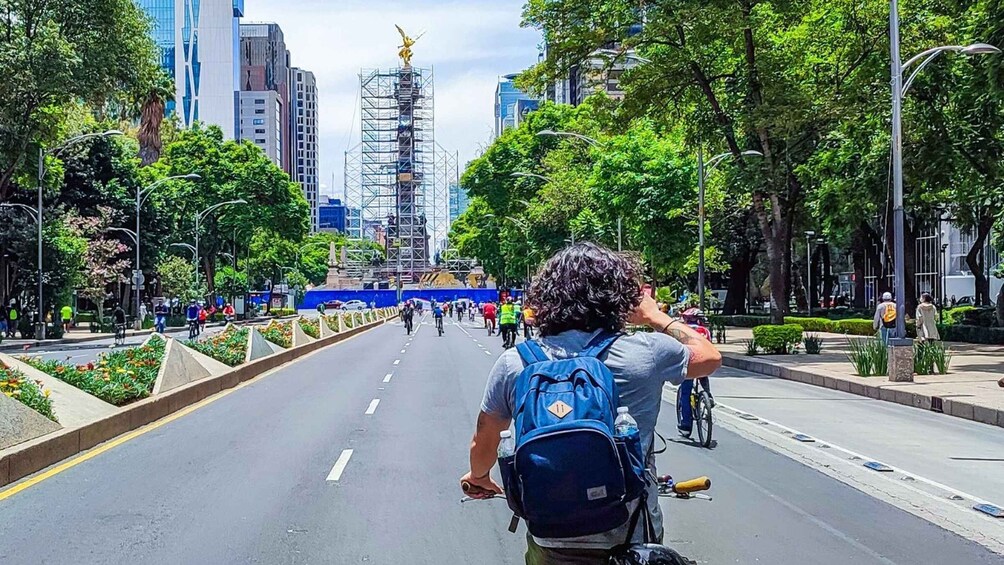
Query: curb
pixel 29 457
pixel 888 393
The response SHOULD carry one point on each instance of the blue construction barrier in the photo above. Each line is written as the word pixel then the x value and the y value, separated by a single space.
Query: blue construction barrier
pixel 385 298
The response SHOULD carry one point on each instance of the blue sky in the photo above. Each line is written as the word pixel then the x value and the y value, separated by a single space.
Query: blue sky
pixel 468 43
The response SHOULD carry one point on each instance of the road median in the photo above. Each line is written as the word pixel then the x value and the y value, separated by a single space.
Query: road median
pixel 26 458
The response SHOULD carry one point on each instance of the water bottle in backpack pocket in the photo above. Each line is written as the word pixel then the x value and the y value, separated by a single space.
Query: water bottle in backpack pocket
pixel 571 475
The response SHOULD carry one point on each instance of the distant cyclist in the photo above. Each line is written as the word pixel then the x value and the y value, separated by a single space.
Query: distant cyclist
pixel 192 317
pixel 527 323
pixel 408 315
pixel 489 313
pixel 437 313
pixel 119 317
pixel 507 324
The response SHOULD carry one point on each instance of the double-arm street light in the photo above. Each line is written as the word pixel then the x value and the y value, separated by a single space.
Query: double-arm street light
pixel 38 213
pixel 198 222
pixel 899 90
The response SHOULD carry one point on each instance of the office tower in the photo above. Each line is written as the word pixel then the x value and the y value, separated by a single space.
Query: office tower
pixel 264 65
pixel 305 139
pixel 261 117
pixel 506 98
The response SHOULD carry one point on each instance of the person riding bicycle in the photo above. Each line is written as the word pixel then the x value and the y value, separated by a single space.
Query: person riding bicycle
pixel 583 291
pixel 192 317
pixel 693 317
pixel 119 317
pixel 437 314
pixel 408 315
pixel 489 313
pixel 507 323
pixel 527 322
pixel 203 316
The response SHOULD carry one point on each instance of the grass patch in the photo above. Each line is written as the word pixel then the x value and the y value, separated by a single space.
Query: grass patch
pixel 14 384
pixel 752 349
pixel 279 333
pixel 870 357
pixel 117 378
pixel 931 358
pixel 228 347
pixel 813 344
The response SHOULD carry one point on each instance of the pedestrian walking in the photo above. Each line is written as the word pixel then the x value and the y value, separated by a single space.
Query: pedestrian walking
pixel 66 312
pixel 160 312
pixel 885 317
pixel 12 315
pixel 927 319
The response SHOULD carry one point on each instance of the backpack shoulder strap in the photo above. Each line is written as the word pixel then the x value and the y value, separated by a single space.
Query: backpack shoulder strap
pixel 531 353
pixel 600 343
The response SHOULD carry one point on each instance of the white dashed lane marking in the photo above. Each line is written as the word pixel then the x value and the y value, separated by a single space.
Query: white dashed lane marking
pixel 397 361
pixel 373 406
pixel 339 468
pixel 388 377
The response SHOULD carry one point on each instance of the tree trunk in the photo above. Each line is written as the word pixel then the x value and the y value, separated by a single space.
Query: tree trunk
pixel 739 277
pixel 976 260
pixel 859 252
pixel 1000 307
pixel 151 117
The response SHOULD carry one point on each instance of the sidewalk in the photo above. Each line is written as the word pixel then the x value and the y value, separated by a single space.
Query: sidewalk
pixel 969 390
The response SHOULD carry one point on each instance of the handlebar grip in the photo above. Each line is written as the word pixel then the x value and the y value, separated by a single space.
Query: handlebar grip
pixel 466 486
pixel 693 485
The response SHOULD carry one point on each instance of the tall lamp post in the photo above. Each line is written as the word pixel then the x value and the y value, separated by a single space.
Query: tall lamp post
pixel 198 221
pixel 141 195
pixel 40 333
pixel 899 90
pixel 702 176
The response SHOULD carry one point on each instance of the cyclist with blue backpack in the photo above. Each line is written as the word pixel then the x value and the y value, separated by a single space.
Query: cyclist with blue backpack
pixel 578 480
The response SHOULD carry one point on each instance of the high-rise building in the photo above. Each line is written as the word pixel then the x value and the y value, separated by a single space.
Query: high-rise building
pixel 459 201
pixel 506 98
pixel 264 65
pixel 198 44
pixel 261 114
pixel 305 139
pixel 331 215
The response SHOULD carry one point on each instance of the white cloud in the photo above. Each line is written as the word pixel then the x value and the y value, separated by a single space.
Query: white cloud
pixel 468 43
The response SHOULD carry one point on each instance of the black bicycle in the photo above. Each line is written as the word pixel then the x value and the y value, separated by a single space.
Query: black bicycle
pixel 700 406
pixel 193 329
pixel 408 325
pixel 120 334
pixel 439 325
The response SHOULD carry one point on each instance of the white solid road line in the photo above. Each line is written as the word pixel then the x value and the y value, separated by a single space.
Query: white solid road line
pixel 339 468
pixel 397 361
pixel 373 406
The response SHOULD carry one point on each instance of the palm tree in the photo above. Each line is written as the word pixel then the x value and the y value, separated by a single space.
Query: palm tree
pixel 161 91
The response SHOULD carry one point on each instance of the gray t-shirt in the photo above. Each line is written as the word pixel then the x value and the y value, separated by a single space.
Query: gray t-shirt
pixel 641 363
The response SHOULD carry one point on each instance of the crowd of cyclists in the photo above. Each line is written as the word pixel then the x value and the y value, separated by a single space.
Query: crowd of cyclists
pixel 505 318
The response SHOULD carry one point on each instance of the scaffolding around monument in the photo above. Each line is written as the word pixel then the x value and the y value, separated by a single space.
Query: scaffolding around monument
pixel 397 177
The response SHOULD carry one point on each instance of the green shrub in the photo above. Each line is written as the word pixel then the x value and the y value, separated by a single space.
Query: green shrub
pixel 972 334
pixel 15 385
pixel 741 321
pixel 279 333
pixel 930 358
pixel 854 326
pixel 778 340
pixel 117 378
pixel 310 327
pixel 752 348
pixel 813 344
pixel 228 347
pixel 811 324
pixel 970 316
pixel 957 316
pixel 283 312
pixel 870 357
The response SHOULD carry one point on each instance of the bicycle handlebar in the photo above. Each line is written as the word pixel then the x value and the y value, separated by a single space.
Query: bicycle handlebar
pixel 693 485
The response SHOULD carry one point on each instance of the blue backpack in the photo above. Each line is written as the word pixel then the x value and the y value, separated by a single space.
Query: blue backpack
pixel 570 476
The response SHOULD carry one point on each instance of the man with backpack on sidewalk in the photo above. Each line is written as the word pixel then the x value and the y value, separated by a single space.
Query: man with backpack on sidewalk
pixel 885 317
pixel 566 479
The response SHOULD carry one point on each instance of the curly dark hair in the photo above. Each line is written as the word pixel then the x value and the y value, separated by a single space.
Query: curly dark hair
pixel 584 287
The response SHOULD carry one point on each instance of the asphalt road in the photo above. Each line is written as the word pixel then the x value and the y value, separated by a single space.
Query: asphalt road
pixel 263 475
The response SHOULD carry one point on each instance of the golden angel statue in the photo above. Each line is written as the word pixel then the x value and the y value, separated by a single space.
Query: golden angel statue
pixel 407 42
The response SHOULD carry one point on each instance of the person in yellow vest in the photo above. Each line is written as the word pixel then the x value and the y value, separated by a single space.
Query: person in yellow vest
pixel 66 312
pixel 507 324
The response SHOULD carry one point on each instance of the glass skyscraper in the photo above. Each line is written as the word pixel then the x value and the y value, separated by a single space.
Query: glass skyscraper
pixel 506 97
pixel 199 47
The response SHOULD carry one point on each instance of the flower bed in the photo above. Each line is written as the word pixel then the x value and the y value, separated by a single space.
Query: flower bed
pixel 117 378
pixel 229 346
pixel 14 384
pixel 311 327
pixel 279 333
pixel 332 322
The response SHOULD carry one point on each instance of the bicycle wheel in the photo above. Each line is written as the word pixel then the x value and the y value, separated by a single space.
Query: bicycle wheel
pixel 703 419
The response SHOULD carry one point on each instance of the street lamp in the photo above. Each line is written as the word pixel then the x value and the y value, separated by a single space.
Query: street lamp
pixel 141 195
pixel 187 246
pixel 531 176
pixel 552 133
pixel 198 220
pixel 702 175
pixel 808 269
pixel 899 90
pixel 38 213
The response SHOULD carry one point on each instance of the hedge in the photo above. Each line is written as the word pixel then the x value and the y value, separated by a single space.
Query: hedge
pixel 972 334
pixel 741 321
pixel 778 340
pixel 812 324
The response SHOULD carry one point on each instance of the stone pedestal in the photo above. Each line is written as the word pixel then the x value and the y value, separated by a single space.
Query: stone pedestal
pixel 901 360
